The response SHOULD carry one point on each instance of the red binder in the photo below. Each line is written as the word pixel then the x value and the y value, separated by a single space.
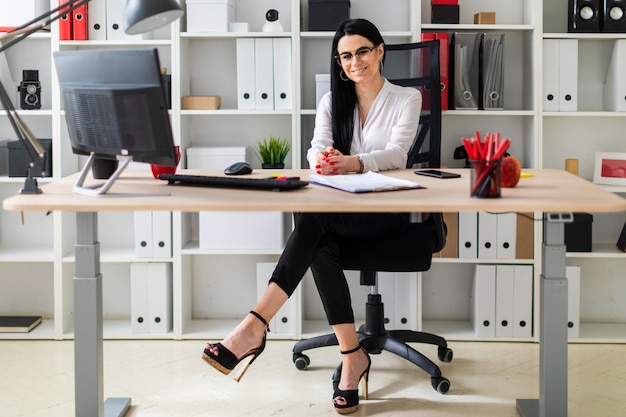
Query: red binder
pixel 79 23
pixel 65 24
pixel 444 2
pixel 444 67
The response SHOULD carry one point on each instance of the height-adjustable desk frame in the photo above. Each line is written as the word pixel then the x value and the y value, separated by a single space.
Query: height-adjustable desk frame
pixel 552 192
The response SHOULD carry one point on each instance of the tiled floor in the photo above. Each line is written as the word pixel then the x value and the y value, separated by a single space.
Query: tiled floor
pixel 168 379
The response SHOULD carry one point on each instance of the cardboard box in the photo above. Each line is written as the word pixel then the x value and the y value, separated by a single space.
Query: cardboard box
pixel 19 161
pixel 210 15
pixel 201 102
pixel 327 14
pixel 485 18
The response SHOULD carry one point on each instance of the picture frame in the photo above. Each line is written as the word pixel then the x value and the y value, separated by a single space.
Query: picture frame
pixel 610 168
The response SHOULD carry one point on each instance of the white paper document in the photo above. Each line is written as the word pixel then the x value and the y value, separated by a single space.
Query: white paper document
pixel 363 183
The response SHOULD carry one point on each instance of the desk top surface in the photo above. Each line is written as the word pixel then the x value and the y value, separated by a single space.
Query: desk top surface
pixel 547 191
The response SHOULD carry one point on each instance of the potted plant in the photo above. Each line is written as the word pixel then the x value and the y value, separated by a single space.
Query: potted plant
pixel 273 152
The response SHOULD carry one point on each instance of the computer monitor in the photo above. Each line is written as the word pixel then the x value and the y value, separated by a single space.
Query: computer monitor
pixel 115 108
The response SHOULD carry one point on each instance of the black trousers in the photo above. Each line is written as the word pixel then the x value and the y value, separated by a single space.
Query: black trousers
pixel 315 243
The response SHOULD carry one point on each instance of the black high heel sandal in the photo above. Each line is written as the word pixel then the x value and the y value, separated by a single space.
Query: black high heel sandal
pixel 350 398
pixel 225 361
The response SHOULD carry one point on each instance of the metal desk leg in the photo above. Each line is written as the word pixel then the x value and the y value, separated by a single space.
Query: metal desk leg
pixel 552 400
pixel 88 356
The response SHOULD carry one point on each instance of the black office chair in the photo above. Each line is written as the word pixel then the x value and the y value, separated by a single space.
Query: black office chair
pixel 411 251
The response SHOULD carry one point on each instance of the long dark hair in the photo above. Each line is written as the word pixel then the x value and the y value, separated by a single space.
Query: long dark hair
pixel 343 92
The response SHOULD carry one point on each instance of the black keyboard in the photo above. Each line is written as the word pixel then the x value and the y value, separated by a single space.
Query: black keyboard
pixel 270 184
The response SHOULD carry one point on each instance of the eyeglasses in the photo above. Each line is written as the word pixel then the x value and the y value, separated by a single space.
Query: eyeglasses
pixel 345 58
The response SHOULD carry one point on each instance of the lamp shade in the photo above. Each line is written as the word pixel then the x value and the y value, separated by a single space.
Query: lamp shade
pixel 145 15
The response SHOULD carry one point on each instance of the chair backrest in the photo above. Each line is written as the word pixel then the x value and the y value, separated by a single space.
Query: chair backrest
pixel 417 65
pixel 413 65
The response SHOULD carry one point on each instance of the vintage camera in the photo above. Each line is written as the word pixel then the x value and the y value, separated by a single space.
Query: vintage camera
pixel 30 90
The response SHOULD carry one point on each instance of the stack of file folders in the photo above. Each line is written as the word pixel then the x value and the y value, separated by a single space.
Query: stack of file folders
pixel 476 71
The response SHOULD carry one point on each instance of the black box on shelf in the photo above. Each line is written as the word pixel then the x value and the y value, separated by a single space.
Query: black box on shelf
pixel 328 14
pixel 444 13
pixel 578 233
pixel 19 161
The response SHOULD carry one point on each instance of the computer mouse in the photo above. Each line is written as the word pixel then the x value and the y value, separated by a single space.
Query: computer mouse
pixel 238 168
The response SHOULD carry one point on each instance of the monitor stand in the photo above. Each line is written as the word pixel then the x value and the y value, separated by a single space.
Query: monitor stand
pixel 101 189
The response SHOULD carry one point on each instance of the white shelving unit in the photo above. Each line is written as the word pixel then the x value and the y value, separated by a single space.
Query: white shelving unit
pixel 213 289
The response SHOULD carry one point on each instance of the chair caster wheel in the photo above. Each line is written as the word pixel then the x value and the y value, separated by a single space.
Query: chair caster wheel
pixel 301 361
pixel 445 354
pixel 440 384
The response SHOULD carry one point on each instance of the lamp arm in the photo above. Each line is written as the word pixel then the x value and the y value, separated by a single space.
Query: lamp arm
pixel 35 25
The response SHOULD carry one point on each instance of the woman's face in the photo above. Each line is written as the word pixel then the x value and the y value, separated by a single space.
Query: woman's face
pixel 359 58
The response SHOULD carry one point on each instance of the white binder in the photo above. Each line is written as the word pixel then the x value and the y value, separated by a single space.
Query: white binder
pixel 160 296
pixel 143 234
pixel 115 21
pixel 387 290
pixel 468 235
pixel 572 273
pixel 505 284
pixel 162 234
pixel 283 323
pixel 97 20
pixel 523 304
pixel 551 75
pixel 283 93
pixel 615 85
pixel 405 295
pixel 139 298
pixel 506 235
pixel 483 301
pixel 487 235
pixel 245 74
pixel 264 73
pixel 568 75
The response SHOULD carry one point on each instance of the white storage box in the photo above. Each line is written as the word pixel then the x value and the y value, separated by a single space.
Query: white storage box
pixel 322 86
pixel 254 230
pixel 210 15
pixel 214 157
pixel 227 230
pixel 16 13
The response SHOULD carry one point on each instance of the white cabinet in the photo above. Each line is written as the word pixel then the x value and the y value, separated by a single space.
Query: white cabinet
pixel 213 288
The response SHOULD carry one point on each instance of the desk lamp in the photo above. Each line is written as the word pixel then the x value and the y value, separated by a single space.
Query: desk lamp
pixel 139 16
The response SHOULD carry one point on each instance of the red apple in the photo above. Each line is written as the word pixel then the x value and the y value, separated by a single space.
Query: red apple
pixel 511 171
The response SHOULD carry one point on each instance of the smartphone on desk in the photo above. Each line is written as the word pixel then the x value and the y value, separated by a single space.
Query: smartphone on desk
pixel 437 173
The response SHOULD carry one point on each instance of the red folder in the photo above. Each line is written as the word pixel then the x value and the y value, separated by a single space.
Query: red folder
pixel 444 2
pixel 444 67
pixel 425 68
pixel 79 23
pixel 65 24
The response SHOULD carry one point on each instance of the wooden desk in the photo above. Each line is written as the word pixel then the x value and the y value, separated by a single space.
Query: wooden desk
pixel 553 192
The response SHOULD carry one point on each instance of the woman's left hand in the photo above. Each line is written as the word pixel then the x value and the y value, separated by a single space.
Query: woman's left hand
pixel 330 162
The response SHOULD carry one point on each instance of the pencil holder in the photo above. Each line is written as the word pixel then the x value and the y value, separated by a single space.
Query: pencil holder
pixel 485 178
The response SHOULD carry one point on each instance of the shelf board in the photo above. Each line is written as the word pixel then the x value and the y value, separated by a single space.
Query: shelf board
pixel 192 248
pixel 482 260
pixel 117 255
pixel 233 35
pixel 584 36
pixel 602 333
pixel 235 112
pixel 115 43
pixel 484 113
pixel 331 34
pixel 600 251
pixel 26 254
pixel 471 26
pixel 596 113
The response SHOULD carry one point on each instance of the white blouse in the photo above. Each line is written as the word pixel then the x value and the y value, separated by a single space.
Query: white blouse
pixel 385 138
